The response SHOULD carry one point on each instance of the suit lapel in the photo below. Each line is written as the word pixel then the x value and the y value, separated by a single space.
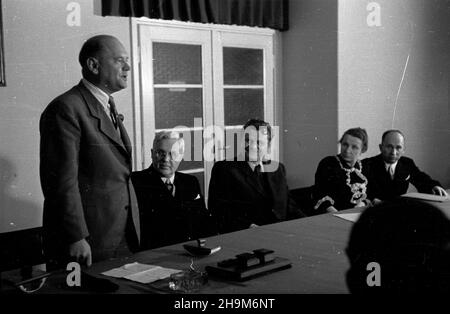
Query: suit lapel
pixel 250 178
pixel 178 187
pixel 156 179
pixel 104 123
pixel 124 135
pixel 401 173
pixel 272 182
pixel 381 168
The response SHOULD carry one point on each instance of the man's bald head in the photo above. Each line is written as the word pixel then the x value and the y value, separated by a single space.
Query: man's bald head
pixel 105 63
pixel 93 46
pixel 392 146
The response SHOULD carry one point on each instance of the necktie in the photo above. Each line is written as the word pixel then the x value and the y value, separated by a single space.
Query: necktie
pixel 257 170
pixel 113 111
pixel 169 186
pixel 391 171
pixel 260 178
pixel 117 122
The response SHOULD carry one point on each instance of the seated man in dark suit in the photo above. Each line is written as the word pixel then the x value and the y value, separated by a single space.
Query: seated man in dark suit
pixel 171 205
pixel 251 190
pixel 390 173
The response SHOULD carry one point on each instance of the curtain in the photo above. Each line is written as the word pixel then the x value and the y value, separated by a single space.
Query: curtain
pixel 262 13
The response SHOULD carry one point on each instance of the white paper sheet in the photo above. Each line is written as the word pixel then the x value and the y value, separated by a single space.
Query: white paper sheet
pixel 427 197
pixel 127 269
pixel 353 217
pixel 152 274
pixel 142 273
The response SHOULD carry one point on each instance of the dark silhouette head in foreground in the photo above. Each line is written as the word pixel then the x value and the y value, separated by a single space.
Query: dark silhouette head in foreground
pixel 410 242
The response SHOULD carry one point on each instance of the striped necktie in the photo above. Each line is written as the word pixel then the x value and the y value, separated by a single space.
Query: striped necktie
pixel 391 171
pixel 113 112
pixel 169 186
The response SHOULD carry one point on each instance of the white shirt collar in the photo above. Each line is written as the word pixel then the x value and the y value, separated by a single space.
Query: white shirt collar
pixel 394 165
pixel 253 165
pixel 171 179
pixel 99 94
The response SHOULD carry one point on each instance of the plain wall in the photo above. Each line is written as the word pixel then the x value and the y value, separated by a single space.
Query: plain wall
pixel 396 75
pixel 310 88
pixel 41 53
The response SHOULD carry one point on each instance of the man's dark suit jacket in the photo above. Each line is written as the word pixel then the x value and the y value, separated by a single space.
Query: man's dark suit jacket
pixel 380 184
pixel 85 172
pixel 167 219
pixel 236 199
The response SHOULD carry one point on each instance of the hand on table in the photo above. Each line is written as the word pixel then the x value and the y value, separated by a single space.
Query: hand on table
pixel 81 250
pixel 437 190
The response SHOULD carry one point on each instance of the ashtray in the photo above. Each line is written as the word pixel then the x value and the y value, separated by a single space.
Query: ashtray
pixel 188 280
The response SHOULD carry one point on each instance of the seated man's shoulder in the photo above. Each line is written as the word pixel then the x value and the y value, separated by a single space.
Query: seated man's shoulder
pixel 406 160
pixel 368 161
pixel 186 177
pixel 373 160
pixel 227 164
pixel 274 166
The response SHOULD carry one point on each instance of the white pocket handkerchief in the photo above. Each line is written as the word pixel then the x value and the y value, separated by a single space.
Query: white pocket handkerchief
pixel 198 197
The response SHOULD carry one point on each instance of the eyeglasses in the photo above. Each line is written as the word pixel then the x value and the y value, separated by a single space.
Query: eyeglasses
pixel 161 154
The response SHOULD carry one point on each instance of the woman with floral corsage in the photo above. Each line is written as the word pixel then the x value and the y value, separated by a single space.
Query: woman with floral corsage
pixel 339 181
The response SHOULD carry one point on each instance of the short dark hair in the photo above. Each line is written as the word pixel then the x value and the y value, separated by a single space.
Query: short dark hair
pixel 257 124
pixel 92 47
pixel 410 241
pixel 358 133
pixel 391 131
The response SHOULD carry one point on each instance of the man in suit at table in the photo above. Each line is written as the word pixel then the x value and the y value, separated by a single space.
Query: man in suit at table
pixel 390 173
pixel 90 209
pixel 251 190
pixel 171 204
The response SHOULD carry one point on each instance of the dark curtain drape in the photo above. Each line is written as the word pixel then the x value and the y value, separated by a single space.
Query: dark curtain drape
pixel 262 13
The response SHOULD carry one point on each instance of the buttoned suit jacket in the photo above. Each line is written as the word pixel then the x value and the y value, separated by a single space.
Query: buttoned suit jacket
pixel 85 168
pixel 168 219
pixel 235 196
pixel 381 186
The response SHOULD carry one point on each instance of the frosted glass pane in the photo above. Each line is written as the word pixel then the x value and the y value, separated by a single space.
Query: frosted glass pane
pixel 243 104
pixel 243 66
pixel 177 107
pixel 193 155
pixel 177 63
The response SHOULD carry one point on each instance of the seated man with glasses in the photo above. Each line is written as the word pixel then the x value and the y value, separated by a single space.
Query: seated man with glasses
pixel 251 190
pixel 171 205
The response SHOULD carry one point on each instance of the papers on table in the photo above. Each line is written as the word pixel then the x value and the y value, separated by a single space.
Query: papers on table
pixel 353 217
pixel 142 273
pixel 427 197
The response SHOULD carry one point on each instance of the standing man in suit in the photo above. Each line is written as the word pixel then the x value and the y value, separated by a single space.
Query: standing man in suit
pixel 171 204
pixel 251 190
pixel 390 173
pixel 90 208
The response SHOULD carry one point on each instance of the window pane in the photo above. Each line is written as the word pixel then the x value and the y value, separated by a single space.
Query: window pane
pixel 243 104
pixel 243 66
pixel 177 63
pixel 193 152
pixel 177 107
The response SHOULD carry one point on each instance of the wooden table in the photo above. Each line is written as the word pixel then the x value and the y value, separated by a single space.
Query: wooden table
pixel 314 245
